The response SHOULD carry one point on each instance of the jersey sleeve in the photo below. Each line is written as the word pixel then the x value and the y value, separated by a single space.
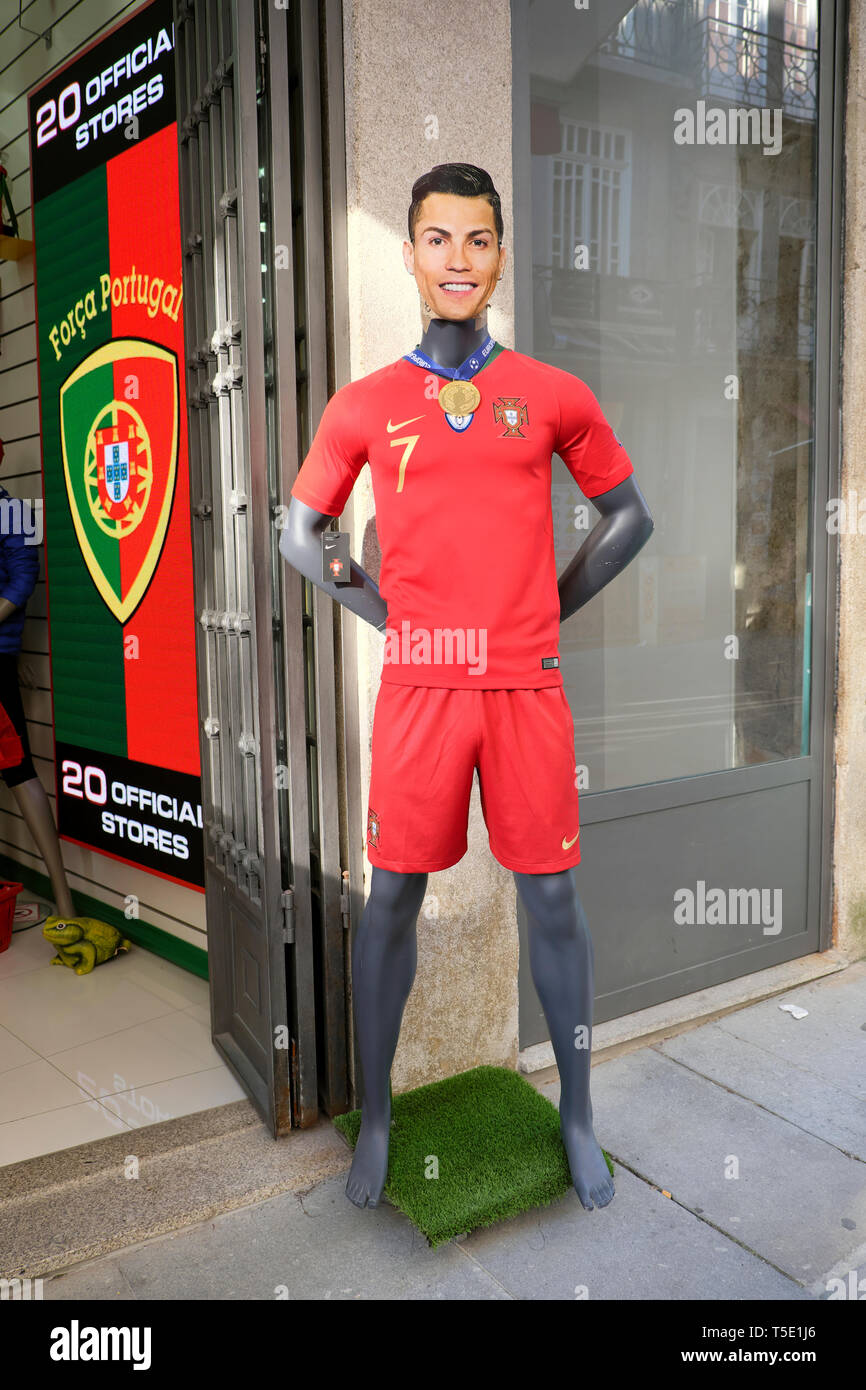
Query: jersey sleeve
pixel 586 443
pixel 335 458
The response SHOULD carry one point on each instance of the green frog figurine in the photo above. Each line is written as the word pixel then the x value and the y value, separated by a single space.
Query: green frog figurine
pixel 83 942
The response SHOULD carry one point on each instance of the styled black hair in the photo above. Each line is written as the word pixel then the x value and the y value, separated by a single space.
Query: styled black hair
pixel 466 180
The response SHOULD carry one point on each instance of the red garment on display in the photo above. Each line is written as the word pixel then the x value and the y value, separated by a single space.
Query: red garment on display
pixel 464 515
pixel 11 748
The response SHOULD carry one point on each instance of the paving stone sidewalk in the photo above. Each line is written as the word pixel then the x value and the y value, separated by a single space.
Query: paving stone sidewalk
pixel 755 1125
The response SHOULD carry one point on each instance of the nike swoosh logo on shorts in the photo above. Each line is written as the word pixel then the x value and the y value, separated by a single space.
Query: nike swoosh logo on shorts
pixel 567 844
pixel 391 428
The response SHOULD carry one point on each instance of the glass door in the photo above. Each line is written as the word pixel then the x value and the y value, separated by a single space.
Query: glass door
pixel 674 241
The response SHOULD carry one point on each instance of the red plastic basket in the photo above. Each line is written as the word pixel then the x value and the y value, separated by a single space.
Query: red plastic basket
pixel 8 893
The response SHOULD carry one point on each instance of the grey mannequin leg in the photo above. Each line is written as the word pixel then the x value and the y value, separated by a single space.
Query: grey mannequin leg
pixel 384 957
pixel 561 959
pixel 36 810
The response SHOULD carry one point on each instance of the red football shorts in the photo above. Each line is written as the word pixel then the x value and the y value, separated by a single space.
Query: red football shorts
pixel 427 743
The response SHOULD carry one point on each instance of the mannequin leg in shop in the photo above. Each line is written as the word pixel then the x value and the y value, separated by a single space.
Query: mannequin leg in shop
pixel 27 789
pixel 35 807
pixel 561 959
pixel 384 957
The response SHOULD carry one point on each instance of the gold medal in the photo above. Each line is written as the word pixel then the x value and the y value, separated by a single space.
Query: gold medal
pixel 459 397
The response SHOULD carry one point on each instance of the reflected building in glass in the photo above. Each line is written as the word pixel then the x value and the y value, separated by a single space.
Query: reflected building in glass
pixel 673 150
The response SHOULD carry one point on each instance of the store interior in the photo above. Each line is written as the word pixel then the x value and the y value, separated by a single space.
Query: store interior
pixel 84 1057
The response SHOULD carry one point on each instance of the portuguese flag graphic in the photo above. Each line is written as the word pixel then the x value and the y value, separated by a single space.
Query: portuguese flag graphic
pixel 117 517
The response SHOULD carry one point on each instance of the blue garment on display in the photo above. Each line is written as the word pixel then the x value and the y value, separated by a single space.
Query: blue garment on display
pixel 19 569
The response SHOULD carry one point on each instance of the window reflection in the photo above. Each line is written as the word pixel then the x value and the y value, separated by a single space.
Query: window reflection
pixel 673 174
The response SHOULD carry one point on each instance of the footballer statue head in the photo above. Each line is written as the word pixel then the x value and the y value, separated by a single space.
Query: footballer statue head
pixel 455 246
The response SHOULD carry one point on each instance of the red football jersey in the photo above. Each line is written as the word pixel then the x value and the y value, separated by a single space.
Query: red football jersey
pixel 463 511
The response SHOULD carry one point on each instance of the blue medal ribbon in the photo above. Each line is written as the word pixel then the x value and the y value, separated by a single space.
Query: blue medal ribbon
pixel 466 370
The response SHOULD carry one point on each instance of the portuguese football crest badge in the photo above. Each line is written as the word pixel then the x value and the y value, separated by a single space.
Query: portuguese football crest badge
pixel 372 828
pixel 459 422
pixel 508 411
pixel 119 436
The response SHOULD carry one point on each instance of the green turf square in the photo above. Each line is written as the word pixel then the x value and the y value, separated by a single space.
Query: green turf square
pixel 472 1150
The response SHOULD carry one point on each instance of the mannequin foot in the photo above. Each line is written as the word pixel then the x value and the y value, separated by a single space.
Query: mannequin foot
pixel 370 1165
pixel 589 1171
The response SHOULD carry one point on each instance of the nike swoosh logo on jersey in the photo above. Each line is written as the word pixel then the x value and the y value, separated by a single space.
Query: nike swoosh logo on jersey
pixel 567 844
pixel 391 428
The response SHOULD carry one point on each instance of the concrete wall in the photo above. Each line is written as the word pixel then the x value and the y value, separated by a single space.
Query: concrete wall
pixel 849 859
pixel 412 101
pixel 24 61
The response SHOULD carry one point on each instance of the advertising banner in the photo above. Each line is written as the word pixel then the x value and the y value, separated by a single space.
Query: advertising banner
pixel 118 546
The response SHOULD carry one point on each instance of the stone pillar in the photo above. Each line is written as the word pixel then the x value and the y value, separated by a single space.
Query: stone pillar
pixel 849 840
pixel 416 96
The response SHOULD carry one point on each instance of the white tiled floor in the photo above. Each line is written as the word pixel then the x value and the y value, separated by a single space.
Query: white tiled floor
pixel 86 1056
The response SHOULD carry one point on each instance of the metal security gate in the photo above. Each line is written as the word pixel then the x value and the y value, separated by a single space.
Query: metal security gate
pixel 270 713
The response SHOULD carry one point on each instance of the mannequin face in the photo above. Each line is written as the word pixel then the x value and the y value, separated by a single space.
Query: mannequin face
pixel 455 245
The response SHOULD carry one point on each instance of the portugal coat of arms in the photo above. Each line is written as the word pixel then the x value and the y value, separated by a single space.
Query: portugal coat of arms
pixel 119 436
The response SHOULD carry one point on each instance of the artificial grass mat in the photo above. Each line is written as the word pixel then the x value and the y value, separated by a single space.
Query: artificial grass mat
pixel 494 1141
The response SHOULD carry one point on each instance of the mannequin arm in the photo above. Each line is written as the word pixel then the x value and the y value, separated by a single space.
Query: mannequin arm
pixel 301 545
pixel 6 607
pixel 623 529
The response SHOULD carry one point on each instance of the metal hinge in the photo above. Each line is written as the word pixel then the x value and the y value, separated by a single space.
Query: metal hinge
pixel 288 901
pixel 344 900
